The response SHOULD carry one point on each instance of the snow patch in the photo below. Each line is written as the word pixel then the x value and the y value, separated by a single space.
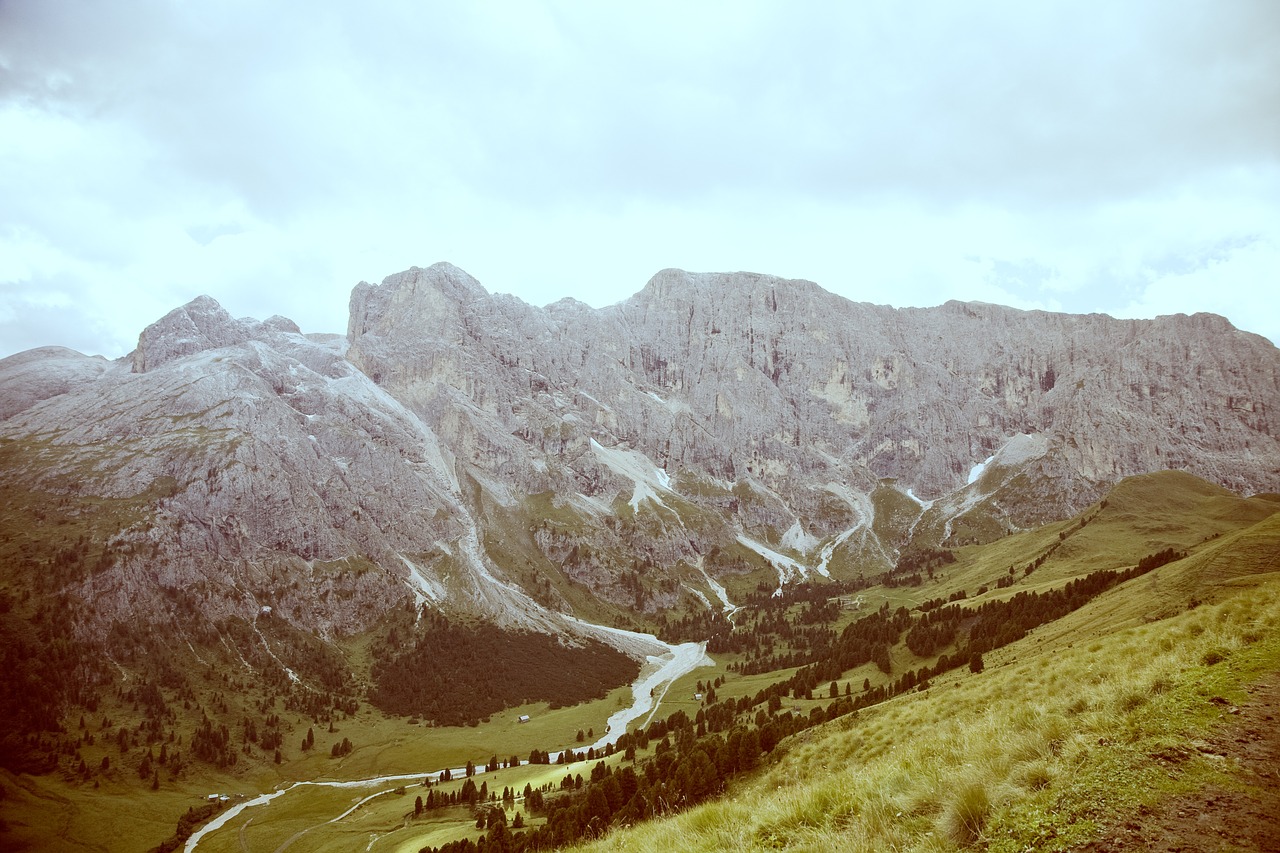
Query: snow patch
pixel 923 503
pixel 976 471
pixel 1015 452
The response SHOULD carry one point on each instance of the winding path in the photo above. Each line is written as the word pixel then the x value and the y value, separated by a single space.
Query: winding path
pixel 647 691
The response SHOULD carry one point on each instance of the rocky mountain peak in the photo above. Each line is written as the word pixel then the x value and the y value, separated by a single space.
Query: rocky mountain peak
pixel 199 325
pixel 419 298
pixel 676 286
pixel 281 324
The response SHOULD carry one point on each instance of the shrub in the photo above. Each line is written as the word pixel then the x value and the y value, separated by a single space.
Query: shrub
pixel 1213 656
pixel 966 813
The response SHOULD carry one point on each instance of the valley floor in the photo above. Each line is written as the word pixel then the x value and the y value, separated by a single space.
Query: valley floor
pixel 1242 816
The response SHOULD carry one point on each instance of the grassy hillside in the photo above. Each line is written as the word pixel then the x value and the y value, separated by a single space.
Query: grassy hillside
pixel 1031 754
pixel 1140 516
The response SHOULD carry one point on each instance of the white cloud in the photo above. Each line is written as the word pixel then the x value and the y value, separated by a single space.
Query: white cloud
pixel 1040 155
pixel 1240 282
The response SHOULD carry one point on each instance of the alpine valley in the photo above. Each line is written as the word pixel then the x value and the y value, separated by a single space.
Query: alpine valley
pixel 734 534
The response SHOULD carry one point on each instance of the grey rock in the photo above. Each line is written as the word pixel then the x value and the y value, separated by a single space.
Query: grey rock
pixel 462 450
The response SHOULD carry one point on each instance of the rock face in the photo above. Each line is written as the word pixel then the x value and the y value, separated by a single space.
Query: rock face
pixel 468 451
pixel 741 376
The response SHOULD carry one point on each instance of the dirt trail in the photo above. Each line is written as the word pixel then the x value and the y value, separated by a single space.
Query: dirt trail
pixel 1236 817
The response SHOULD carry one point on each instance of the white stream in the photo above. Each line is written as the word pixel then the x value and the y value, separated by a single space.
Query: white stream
pixel 647 691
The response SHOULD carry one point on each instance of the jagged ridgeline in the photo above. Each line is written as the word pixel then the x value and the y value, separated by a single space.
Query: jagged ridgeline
pixel 245 502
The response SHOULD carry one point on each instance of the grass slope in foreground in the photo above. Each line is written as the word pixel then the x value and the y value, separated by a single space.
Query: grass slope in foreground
pixel 1035 753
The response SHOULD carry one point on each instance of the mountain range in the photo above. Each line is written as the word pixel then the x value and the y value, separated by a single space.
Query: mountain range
pixel 470 452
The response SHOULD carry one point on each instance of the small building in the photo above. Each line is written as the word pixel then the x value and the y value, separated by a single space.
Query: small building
pixel 697 697
pixel 524 718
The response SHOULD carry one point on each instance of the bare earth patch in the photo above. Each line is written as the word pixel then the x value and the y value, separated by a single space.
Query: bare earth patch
pixel 1240 817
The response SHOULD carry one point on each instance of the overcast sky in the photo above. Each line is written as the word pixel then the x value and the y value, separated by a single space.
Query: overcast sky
pixel 1113 157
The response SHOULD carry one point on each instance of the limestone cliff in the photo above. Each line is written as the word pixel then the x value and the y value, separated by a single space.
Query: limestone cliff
pixel 465 450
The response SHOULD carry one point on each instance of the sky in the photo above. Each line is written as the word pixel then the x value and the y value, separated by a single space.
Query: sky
pixel 1080 156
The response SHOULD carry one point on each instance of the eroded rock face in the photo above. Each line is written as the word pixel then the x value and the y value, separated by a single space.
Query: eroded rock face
pixel 258 468
pixel 748 376
pixel 457 446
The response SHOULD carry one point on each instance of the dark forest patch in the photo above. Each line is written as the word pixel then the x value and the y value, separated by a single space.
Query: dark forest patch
pixel 456 674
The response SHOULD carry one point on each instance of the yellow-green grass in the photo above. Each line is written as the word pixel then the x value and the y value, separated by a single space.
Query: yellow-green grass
pixel 1142 515
pixel 1029 755
pixel 45 813
pixel 327 818
pixel 1186 513
pixel 740 584
pixel 48 807
pixel 386 745
pixel 895 512
pixel 736 686
pixel 315 812
pixel 393 746
pixel 1218 570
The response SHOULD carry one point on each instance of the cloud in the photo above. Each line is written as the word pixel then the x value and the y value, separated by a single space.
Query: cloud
pixel 1045 155
pixel 1234 280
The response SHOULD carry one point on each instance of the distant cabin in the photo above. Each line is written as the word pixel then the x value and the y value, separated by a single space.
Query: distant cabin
pixel 697 697
pixel 524 718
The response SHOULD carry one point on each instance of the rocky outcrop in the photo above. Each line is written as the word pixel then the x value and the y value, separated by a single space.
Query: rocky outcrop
pixel 38 374
pixel 749 377
pixel 200 325
pixel 458 448
pixel 261 469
